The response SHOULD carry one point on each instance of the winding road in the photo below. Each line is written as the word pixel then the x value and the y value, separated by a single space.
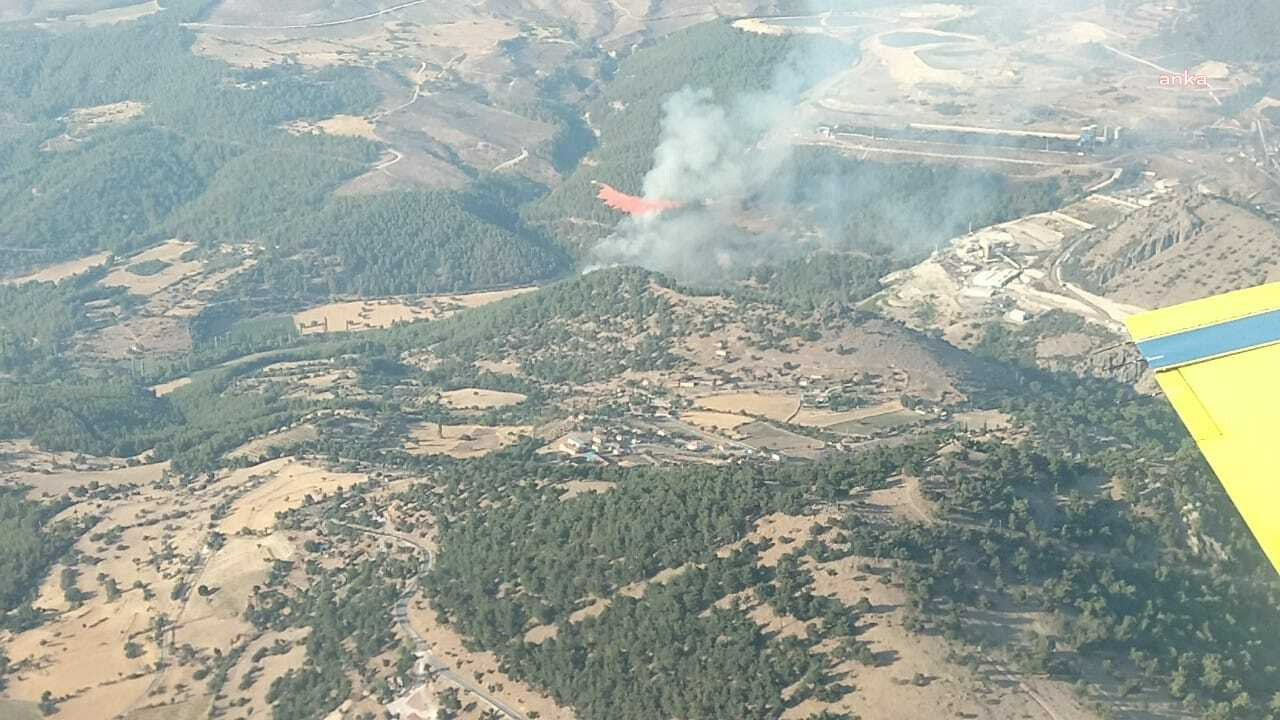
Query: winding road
pixel 401 615
pixel 524 153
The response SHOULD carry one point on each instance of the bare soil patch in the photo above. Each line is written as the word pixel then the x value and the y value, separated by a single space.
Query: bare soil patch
pixel 771 405
pixel 165 388
pixel 480 399
pixel 63 270
pixel 463 441
pixel 714 420
pixel 282 485
pixel 340 125
pixel 357 315
pixel 170 252
pixel 574 488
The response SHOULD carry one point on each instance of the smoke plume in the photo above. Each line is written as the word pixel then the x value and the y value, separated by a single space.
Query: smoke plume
pixel 715 156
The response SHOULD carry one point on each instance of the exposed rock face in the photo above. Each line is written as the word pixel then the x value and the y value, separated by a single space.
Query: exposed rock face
pixel 1189 247
pixel 1138 238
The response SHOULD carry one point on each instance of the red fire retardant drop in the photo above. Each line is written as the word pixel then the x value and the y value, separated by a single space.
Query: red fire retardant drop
pixel 632 205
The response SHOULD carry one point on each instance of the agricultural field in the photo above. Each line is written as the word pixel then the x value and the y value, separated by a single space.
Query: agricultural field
pixel 371 314
pixel 462 441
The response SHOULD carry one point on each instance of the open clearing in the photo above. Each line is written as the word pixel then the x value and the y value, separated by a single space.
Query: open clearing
pixel 818 418
pixel 169 252
pixel 341 125
pixel 63 270
pixel 574 488
pixel 232 572
pixel 56 482
pixel 357 315
pixel 284 483
pixel 714 420
pixel 165 388
pixel 462 441
pixel 771 405
pixel 111 16
pixel 289 436
pixel 480 399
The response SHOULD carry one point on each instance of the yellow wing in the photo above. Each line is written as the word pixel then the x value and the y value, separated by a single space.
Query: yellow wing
pixel 1218 361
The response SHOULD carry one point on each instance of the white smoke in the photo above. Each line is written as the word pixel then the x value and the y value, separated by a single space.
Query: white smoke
pixel 715 154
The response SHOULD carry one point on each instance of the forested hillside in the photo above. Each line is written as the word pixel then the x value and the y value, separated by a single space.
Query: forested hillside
pixel 1238 30
pixel 202 154
pixel 410 242
pixel 675 651
pixel 203 127
pixel 627 112
pixel 30 542
pixel 1021 528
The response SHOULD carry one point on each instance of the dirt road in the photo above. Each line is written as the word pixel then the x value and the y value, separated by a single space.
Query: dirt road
pixel 308 26
pixel 401 616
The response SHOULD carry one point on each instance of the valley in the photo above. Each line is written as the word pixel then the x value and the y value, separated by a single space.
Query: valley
pixel 621 360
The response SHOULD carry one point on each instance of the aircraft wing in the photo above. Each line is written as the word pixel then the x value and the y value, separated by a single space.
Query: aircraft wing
pixel 1218 361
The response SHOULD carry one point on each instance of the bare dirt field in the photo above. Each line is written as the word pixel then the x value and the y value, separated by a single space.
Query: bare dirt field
pixel 282 485
pixel 357 315
pixel 771 405
pixel 143 335
pixel 63 270
pixel 480 399
pixel 57 482
pixel 341 125
pixel 480 667
pixel 170 252
pixel 574 488
pixel 256 447
pixel 463 441
pixel 165 388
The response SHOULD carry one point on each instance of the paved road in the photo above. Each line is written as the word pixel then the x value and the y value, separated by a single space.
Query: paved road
pixel 401 615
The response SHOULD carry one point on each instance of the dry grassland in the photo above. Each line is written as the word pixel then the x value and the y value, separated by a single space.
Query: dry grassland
pixel 463 441
pixel 714 420
pixel 767 437
pixel 256 447
pixel 340 125
pixel 17 710
pixel 165 388
pixel 244 561
pixel 111 16
pixel 285 482
pixel 57 482
pixel 819 418
pixel 886 692
pixel 772 405
pixel 63 270
pixel 169 252
pixel 480 399
pixel 785 532
pixel 357 315
pixel 574 488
